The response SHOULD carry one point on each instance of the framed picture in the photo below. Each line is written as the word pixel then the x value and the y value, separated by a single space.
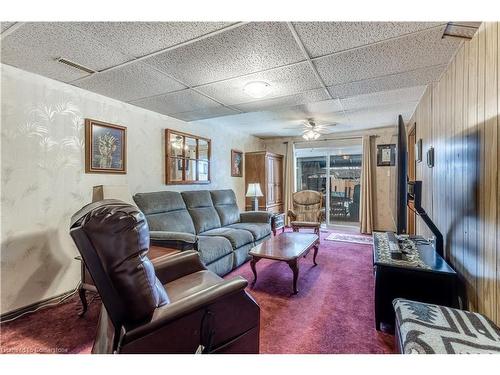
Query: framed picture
pixel 386 155
pixel 418 151
pixel 105 147
pixel 236 163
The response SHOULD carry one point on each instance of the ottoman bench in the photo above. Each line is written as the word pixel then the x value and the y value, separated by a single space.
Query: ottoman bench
pixel 423 328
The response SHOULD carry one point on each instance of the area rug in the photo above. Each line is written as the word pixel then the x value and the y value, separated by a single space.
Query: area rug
pixel 332 313
pixel 352 238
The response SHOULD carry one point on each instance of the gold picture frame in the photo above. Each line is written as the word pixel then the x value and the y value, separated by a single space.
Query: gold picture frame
pixel 105 147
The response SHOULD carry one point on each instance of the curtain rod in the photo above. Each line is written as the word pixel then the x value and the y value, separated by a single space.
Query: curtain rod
pixel 333 139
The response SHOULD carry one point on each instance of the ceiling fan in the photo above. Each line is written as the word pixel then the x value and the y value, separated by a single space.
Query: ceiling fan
pixel 312 130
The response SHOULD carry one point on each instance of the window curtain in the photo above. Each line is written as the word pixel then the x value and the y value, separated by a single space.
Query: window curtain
pixel 367 187
pixel 289 177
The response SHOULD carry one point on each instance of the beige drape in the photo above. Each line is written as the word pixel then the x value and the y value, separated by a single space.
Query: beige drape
pixel 289 177
pixel 366 188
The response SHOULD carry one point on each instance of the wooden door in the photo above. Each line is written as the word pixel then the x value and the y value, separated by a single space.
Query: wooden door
pixel 412 177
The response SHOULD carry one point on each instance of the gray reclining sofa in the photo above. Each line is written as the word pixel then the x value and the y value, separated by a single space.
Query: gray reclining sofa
pixel 207 221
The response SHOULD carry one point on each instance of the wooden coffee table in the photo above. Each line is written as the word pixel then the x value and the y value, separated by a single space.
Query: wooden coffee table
pixel 287 247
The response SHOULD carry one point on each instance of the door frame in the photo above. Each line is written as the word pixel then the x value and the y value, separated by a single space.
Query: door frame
pixel 327 187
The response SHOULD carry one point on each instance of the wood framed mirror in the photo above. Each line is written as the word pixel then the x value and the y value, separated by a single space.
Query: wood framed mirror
pixel 187 158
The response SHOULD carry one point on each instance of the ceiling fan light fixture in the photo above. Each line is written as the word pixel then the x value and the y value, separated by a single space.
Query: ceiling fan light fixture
pixel 311 135
pixel 257 89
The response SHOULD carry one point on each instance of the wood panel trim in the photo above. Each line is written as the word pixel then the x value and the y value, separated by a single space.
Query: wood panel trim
pixel 458 115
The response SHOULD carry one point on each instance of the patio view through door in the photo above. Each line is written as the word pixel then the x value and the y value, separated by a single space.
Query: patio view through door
pixel 332 168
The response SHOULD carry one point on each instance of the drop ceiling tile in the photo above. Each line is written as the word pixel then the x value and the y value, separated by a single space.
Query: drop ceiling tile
pixel 423 49
pixel 5 25
pixel 247 49
pixel 203 114
pixel 322 38
pixel 386 115
pixel 143 38
pixel 381 98
pixel 416 77
pixel 284 81
pixel 176 102
pixel 285 101
pixel 130 82
pixel 35 47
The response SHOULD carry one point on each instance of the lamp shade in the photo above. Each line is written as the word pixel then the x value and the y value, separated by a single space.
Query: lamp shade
pixel 254 190
pixel 120 192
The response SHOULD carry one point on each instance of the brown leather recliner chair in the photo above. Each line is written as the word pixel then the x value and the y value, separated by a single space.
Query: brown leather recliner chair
pixel 172 306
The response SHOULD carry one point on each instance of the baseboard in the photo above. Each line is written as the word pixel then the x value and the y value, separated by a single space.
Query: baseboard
pixel 22 310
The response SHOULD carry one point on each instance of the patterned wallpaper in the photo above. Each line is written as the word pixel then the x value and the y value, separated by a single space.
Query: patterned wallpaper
pixel 43 181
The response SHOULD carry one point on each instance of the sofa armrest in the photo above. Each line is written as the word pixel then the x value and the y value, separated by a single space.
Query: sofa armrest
pixel 256 217
pixel 173 267
pixel 292 215
pixel 175 240
pixel 166 314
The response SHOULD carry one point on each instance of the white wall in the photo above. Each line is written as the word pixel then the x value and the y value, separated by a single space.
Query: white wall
pixel 43 180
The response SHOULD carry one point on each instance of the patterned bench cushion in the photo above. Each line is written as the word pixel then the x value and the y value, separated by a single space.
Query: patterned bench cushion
pixel 428 329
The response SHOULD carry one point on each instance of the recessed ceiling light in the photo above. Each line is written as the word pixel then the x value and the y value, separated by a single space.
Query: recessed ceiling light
pixel 257 89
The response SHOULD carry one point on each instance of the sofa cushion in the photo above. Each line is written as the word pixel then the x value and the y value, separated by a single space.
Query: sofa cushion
pixel 159 201
pixel 165 211
pixel 202 211
pixel 212 248
pixel 238 237
pixel 225 203
pixel 223 265
pixel 258 230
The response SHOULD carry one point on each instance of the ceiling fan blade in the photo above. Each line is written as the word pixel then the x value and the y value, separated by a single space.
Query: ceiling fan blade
pixel 296 127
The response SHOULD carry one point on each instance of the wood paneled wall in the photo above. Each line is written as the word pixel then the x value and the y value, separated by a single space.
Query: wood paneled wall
pixel 458 116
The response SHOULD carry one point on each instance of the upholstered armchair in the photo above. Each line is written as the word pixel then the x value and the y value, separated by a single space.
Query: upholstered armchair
pixel 307 210
pixel 171 305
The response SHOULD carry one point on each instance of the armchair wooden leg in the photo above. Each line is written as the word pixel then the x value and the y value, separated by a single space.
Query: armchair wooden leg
pixel 316 231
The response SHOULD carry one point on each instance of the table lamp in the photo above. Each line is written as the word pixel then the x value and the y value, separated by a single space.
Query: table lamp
pixel 120 192
pixel 254 192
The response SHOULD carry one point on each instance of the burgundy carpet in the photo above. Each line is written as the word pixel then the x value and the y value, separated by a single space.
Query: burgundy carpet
pixel 333 312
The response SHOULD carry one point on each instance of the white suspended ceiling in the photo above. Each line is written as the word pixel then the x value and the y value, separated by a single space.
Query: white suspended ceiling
pixel 356 74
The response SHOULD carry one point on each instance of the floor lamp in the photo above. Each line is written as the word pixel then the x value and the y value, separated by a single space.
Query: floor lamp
pixel 254 192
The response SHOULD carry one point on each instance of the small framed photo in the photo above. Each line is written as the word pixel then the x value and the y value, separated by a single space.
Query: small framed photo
pixel 418 151
pixel 236 163
pixel 386 155
pixel 105 147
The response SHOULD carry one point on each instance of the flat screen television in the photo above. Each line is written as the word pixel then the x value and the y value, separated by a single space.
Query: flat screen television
pixel 401 182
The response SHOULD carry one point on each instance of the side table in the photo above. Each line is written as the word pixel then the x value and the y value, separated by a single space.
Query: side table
pixel 278 222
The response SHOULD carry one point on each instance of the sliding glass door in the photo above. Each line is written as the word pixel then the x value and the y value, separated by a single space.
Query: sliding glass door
pixel 345 188
pixel 311 174
pixel 334 170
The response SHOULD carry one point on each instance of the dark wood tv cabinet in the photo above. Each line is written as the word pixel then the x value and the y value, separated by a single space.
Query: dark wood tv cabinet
pixel 436 282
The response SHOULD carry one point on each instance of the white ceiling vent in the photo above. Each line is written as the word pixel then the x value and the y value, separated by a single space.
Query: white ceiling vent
pixel 464 30
pixel 74 65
